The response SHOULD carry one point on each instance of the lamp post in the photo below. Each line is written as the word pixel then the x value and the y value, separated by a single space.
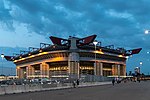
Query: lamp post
pixel 95 43
pixel 147 31
pixel 2 56
pixel 140 66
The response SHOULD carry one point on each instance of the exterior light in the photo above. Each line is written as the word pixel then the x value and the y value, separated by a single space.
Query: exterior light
pixel 140 66
pixel 120 56
pixel 100 50
pixel 141 63
pixel 40 50
pixel 2 55
pixel 127 57
pixel 147 31
pixel 95 43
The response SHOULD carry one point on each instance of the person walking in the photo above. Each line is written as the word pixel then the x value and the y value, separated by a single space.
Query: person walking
pixel 77 82
pixel 74 84
pixel 113 81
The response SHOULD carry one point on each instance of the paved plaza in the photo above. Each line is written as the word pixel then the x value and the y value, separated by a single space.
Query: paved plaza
pixel 123 91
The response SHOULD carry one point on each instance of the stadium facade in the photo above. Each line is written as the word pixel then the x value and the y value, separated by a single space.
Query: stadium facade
pixel 72 56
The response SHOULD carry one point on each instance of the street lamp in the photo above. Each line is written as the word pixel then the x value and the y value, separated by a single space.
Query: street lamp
pixel 140 66
pixel 2 56
pixel 147 31
pixel 95 43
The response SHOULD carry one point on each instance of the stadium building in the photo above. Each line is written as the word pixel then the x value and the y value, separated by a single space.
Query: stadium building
pixel 72 56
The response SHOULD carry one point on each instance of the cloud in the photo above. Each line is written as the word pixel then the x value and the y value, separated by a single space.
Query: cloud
pixel 21 37
pixel 111 20
pixel 5 17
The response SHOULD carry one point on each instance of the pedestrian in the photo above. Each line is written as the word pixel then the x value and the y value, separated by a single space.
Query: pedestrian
pixel 138 79
pixel 113 81
pixel 74 84
pixel 77 82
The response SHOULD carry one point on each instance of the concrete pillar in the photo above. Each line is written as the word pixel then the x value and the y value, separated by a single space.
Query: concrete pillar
pixel 114 70
pixel 73 43
pixel 44 70
pixel 73 59
pixel 27 73
pixel 99 69
pixel 123 70
pixel 73 64
pixel 20 73
pixel 30 71
pixel 118 66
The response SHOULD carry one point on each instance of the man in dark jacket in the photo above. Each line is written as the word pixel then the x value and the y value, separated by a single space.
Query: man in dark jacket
pixel 113 81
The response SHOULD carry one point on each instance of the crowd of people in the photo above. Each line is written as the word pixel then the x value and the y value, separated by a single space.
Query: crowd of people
pixel 119 80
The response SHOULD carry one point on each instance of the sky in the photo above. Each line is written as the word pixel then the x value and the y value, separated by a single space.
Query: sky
pixel 27 23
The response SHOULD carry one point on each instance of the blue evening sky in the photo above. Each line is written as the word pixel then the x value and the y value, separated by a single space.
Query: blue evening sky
pixel 26 23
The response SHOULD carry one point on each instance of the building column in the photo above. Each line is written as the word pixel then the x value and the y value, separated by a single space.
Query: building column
pixel 73 59
pixel 123 70
pixel 27 72
pixel 20 72
pixel 73 64
pixel 99 69
pixel 115 69
pixel 30 71
pixel 118 66
pixel 44 70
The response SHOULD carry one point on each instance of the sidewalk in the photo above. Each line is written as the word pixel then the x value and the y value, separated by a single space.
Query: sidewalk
pixel 87 84
pixel 94 84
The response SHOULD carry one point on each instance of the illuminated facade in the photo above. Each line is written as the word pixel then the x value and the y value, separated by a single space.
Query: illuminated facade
pixel 72 56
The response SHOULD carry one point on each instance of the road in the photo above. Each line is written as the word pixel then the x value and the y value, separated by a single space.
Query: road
pixel 123 91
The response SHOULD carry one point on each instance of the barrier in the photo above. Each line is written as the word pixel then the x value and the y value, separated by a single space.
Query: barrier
pixel 12 89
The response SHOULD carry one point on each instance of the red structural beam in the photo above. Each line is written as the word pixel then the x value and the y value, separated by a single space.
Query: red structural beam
pixel 136 51
pixel 59 41
pixel 86 40
pixel 8 58
pixel 133 51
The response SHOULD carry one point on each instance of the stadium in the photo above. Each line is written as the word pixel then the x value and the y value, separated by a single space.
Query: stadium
pixel 71 57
